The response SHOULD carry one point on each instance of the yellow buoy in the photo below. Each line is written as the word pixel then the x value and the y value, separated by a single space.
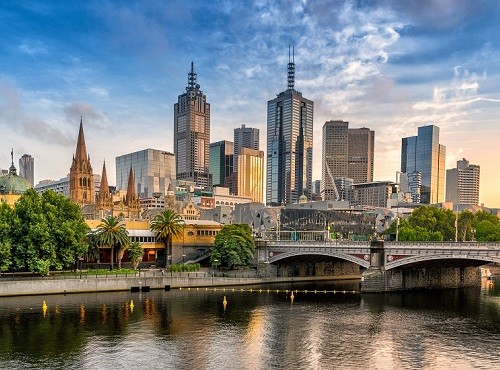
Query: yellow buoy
pixel 292 297
pixel 44 308
pixel 131 306
pixel 224 303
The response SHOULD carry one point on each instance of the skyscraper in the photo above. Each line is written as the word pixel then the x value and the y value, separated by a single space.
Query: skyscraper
pixel 251 174
pixel 335 157
pixel 360 154
pixel 347 154
pixel 192 134
pixel 245 137
pixel 27 168
pixel 424 154
pixel 221 161
pixel 289 144
pixel 462 183
pixel 153 171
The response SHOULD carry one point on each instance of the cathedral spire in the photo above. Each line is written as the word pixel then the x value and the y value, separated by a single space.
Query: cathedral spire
pixel 104 187
pixel 81 149
pixel 131 186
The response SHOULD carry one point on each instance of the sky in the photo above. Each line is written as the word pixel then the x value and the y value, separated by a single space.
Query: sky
pixel 388 65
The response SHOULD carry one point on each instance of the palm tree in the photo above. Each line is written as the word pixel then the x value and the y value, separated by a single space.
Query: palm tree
pixel 112 232
pixel 165 226
pixel 135 254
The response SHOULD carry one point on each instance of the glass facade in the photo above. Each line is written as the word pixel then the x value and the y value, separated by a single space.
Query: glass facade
pixel 289 148
pixel 221 161
pixel 424 154
pixel 153 171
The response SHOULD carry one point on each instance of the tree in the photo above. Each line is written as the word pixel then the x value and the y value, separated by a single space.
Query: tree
pixel 92 241
pixel 111 232
pixel 5 241
pixel 233 246
pixel 47 232
pixel 135 253
pixel 165 226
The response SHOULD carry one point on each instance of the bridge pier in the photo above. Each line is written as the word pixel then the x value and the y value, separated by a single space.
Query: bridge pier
pixel 378 279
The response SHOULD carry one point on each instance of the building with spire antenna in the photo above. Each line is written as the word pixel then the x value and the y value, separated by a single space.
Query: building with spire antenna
pixel 81 178
pixel 12 186
pixel 192 134
pixel 289 143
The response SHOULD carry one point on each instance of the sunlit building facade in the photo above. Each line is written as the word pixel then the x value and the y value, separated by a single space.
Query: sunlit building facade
pixel 289 145
pixel 462 183
pixel 251 174
pixel 192 134
pixel 424 154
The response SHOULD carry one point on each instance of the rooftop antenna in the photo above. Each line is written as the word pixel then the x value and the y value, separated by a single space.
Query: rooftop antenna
pixel 291 68
pixel 191 78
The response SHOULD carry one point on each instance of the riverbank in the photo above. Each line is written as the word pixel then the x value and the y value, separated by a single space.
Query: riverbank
pixel 91 284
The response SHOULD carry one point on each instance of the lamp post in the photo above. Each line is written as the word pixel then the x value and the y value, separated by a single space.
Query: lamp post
pixel 216 261
pixel 397 229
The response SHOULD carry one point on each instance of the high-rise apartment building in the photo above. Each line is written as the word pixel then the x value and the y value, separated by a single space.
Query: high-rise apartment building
pixel 153 172
pixel 289 144
pixel 424 154
pixel 251 174
pixel 462 183
pixel 221 161
pixel 245 137
pixel 27 168
pixel 192 134
pixel 347 154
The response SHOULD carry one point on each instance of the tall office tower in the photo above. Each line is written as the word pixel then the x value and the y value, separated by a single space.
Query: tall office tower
pixel 153 171
pixel 251 174
pixel 462 183
pixel 27 168
pixel 244 137
pixel 289 144
pixel 411 183
pixel 335 163
pixel 424 154
pixel 192 134
pixel 81 177
pixel 347 154
pixel 221 161
pixel 360 154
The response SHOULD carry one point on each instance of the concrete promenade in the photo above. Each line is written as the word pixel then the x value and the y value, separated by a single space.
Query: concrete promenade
pixel 102 283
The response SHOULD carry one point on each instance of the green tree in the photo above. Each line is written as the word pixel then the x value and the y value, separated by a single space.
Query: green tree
pixel 165 226
pixel 47 232
pixel 466 225
pixel 233 246
pixel 135 253
pixel 111 232
pixel 5 240
pixel 92 241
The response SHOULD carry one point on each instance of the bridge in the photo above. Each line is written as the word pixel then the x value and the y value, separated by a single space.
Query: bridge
pixel 391 265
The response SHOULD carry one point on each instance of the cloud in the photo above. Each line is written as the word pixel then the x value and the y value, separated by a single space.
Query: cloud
pixel 89 113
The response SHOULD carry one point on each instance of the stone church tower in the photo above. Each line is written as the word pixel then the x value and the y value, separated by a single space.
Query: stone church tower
pixel 81 178
pixel 131 199
pixel 104 198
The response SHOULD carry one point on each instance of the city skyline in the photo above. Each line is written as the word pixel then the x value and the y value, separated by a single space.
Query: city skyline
pixel 386 66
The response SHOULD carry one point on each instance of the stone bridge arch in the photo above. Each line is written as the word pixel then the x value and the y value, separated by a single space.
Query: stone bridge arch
pixel 359 260
pixel 482 260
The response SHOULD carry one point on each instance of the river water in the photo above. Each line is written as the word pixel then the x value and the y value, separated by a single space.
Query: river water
pixel 323 326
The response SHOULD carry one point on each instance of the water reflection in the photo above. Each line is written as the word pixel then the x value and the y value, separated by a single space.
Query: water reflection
pixel 254 329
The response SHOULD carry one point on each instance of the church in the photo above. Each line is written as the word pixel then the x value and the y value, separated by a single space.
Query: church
pixel 103 203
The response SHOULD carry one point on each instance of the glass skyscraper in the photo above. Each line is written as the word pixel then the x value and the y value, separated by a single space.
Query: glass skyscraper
pixel 424 154
pixel 221 161
pixel 153 171
pixel 192 134
pixel 27 168
pixel 289 145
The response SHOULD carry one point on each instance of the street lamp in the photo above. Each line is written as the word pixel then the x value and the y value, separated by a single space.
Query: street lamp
pixel 216 261
pixel 397 229
pixel 183 257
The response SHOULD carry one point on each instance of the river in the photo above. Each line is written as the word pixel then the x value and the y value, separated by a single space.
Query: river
pixel 329 325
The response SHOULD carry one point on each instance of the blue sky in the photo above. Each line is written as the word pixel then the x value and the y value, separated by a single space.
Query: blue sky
pixel 388 65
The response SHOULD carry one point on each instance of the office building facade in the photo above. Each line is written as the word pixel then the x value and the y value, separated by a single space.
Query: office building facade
pixel 424 154
pixel 462 183
pixel 27 168
pixel 289 145
pixel 360 155
pixel 221 161
pixel 245 137
pixel 192 134
pixel 251 174
pixel 153 172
